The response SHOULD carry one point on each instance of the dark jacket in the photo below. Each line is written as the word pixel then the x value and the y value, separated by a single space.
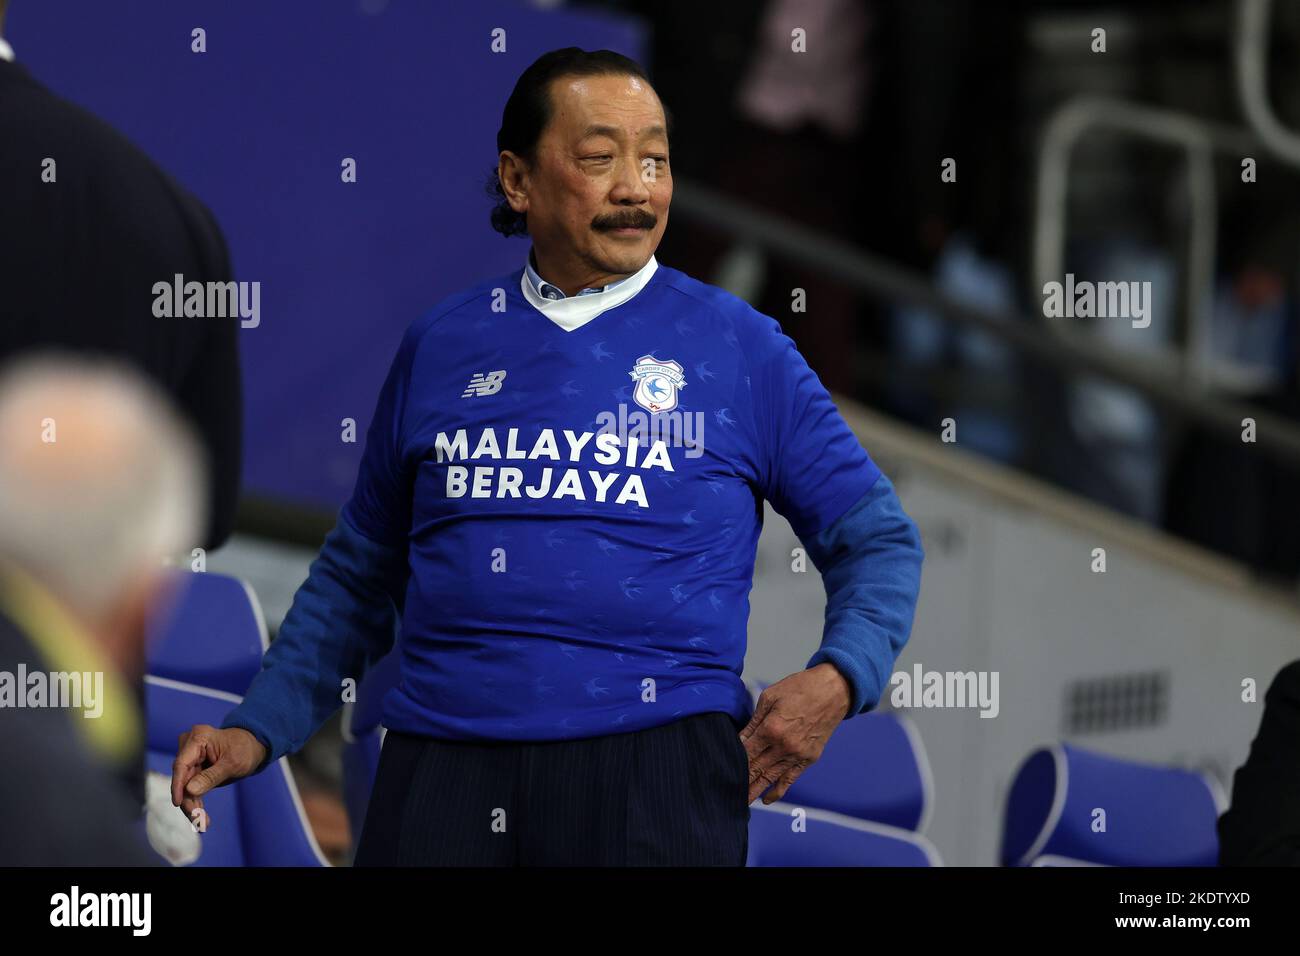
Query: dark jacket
pixel 1262 827
pixel 60 804
pixel 79 258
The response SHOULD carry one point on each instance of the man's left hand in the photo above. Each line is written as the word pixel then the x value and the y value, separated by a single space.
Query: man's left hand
pixel 792 722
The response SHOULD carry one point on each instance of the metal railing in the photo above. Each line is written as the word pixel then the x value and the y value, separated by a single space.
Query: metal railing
pixel 1250 57
pixel 1062 347
pixel 1198 139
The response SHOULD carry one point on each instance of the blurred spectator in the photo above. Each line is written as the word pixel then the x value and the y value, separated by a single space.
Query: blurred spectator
pixel 801 116
pixel 937 370
pixel 100 224
pixel 98 482
pixel 1117 453
pixel 779 128
pixel 697 73
pixel 948 88
pixel 948 82
pixel 1262 826
pixel 1252 351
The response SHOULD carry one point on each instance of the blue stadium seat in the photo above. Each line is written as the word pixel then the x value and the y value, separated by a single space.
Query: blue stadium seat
pixel 874 767
pixel 363 737
pixel 205 650
pixel 1154 816
pixel 830 839
pixel 212 634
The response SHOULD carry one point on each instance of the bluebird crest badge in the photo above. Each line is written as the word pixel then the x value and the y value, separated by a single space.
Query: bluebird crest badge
pixel 657 383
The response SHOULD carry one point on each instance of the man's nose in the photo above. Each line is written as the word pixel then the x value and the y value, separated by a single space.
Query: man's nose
pixel 631 185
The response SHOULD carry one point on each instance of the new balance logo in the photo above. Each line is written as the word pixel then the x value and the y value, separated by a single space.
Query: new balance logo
pixel 481 384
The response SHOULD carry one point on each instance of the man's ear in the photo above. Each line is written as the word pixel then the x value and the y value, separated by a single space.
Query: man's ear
pixel 512 170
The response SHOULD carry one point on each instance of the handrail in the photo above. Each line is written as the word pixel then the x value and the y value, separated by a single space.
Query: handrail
pixel 1062 133
pixel 1250 56
pixel 1062 347
pixel 903 450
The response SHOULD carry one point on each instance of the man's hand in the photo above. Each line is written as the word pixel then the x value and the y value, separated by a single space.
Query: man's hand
pixel 791 724
pixel 206 758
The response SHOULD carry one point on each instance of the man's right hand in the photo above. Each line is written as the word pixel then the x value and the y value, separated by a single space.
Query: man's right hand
pixel 206 758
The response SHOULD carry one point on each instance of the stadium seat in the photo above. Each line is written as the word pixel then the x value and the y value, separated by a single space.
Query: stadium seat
pixel 830 839
pixel 363 737
pixel 1154 816
pixel 205 651
pixel 211 634
pixel 873 768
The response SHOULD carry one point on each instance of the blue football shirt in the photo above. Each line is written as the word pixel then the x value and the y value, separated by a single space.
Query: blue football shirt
pixel 580 500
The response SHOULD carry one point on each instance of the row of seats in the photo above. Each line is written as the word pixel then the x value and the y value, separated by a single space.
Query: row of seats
pixel 866 802
pixel 1067 807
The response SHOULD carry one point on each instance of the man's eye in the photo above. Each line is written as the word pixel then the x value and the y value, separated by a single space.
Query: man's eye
pixel 602 156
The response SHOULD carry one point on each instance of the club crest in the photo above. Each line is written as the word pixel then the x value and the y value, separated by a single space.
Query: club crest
pixel 657 383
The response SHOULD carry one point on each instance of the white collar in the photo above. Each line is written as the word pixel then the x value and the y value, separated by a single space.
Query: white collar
pixel 6 51
pixel 576 311
pixel 541 285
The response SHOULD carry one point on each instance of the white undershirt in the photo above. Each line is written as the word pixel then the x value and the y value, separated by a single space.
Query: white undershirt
pixel 6 51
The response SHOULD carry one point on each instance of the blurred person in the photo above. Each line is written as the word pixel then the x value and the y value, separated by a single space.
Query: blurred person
pixel 1251 351
pixel 700 73
pixel 1262 825
pixel 91 224
pixel 98 482
pixel 801 120
pixel 573 604
pixel 1115 433
pixel 948 86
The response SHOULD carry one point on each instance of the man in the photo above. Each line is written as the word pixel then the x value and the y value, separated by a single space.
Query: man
pixel 573 589
pixel 98 482
pixel 91 224
pixel 1262 827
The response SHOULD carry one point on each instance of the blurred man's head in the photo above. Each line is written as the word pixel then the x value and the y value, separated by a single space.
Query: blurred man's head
pixel 583 166
pixel 99 481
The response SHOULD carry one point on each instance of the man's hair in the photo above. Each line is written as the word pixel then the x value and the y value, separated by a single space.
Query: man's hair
pixel 99 478
pixel 529 109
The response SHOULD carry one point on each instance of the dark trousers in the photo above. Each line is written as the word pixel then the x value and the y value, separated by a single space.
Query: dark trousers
pixel 673 795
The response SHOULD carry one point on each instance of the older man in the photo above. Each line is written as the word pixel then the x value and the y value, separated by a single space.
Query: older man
pixel 99 480
pixel 561 494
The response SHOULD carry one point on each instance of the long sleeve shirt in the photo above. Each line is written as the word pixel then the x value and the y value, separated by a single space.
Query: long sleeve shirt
pixel 559 505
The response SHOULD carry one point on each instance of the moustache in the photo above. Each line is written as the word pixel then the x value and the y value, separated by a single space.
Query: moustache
pixel 643 221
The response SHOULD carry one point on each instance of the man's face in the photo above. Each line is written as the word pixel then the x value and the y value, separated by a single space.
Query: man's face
pixel 598 194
